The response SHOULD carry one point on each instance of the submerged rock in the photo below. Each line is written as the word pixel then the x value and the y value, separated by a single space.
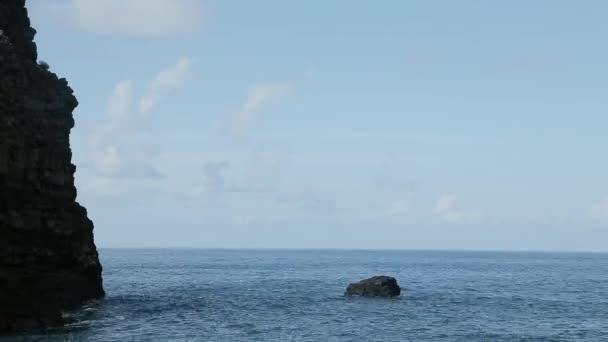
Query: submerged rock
pixel 378 286
pixel 48 260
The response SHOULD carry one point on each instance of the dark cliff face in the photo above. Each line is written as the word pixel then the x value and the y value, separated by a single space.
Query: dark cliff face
pixel 48 260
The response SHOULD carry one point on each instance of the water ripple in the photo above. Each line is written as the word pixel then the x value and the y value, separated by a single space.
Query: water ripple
pixel 212 295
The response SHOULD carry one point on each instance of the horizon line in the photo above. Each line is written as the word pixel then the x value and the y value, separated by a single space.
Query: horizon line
pixel 355 249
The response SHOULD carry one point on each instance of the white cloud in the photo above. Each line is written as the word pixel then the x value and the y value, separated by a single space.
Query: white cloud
pixel 395 137
pixel 262 172
pixel 120 101
pixel 398 209
pixel 447 209
pixel 212 183
pixel 120 143
pixel 310 71
pixel 166 81
pixel 259 96
pixel 147 18
pixel 119 147
pixel 109 159
pixel 599 211
pixel 239 175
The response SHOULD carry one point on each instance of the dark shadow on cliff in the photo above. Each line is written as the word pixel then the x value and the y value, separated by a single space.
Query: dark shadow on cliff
pixel 48 259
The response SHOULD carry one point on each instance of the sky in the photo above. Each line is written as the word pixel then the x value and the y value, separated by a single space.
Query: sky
pixel 387 124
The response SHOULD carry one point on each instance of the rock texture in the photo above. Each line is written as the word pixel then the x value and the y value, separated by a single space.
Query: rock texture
pixel 379 286
pixel 48 260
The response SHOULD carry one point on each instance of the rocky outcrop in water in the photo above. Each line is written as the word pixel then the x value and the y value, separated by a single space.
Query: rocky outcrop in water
pixel 48 260
pixel 379 286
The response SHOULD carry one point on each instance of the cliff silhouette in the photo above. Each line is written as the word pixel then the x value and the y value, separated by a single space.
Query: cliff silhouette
pixel 48 259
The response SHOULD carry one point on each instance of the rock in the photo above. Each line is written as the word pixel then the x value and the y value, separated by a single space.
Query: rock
pixel 48 259
pixel 378 286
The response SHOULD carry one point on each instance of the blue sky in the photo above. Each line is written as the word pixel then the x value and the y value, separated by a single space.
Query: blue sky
pixel 337 124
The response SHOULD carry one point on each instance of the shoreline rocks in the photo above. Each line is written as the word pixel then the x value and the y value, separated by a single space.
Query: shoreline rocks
pixel 378 286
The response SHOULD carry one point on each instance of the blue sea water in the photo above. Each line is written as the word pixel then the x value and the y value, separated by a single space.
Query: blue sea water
pixel 275 295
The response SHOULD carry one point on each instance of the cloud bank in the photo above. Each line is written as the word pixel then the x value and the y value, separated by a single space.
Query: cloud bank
pixel 447 208
pixel 260 95
pixel 120 144
pixel 599 211
pixel 141 18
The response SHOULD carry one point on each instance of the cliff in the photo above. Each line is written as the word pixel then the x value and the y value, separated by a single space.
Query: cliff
pixel 48 260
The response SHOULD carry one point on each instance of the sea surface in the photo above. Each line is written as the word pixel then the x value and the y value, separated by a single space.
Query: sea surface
pixel 283 295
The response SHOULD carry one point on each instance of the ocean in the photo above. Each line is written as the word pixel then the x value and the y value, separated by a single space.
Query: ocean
pixel 297 295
